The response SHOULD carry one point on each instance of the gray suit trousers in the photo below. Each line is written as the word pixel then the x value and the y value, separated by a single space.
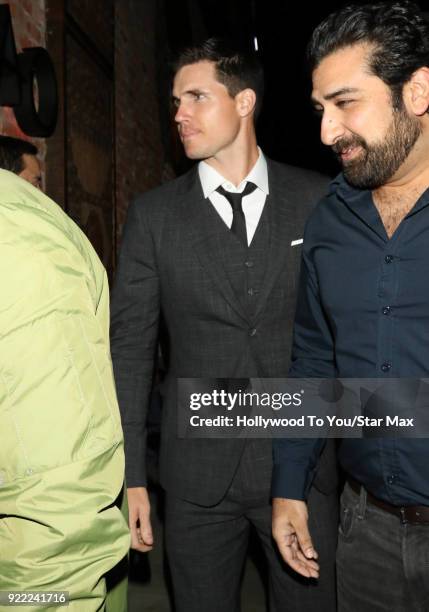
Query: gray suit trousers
pixel 206 546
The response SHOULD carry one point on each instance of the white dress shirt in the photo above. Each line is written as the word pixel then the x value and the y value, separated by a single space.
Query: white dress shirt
pixel 253 204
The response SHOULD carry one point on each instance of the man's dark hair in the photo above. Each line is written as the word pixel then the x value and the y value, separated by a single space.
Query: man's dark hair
pixel 397 31
pixel 11 152
pixel 236 69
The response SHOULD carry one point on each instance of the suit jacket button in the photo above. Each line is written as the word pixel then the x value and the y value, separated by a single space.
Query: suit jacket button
pixel 252 332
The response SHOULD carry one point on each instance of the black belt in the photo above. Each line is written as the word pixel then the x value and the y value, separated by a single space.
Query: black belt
pixel 407 514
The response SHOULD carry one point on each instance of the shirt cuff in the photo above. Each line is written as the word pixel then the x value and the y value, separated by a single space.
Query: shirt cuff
pixel 291 481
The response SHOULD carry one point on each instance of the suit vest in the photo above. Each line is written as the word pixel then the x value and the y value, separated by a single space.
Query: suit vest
pixel 246 266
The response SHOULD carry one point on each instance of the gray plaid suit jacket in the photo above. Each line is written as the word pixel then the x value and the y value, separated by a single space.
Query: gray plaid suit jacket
pixel 171 261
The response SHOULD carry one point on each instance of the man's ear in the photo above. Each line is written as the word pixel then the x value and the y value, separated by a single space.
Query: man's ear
pixel 245 102
pixel 416 92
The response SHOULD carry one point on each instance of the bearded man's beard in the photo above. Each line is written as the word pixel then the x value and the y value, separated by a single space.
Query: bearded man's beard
pixel 377 163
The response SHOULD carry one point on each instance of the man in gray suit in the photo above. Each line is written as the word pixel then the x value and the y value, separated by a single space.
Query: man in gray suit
pixel 217 252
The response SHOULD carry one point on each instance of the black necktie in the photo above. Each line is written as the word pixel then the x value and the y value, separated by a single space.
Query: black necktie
pixel 238 226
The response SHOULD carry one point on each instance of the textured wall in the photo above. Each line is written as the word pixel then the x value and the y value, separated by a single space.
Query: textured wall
pixel 90 136
pixel 141 156
pixel 114 135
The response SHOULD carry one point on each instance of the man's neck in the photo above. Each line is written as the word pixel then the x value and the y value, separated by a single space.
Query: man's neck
pixel 236 164
pixel 395 199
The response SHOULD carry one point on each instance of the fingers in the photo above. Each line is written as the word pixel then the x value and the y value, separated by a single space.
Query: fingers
pixel 136 539
pixel 290 531
pixel 292 554
pixel 308 565
pixel 144 531
pixel 139 520
pixel 141 537
pixel 304 540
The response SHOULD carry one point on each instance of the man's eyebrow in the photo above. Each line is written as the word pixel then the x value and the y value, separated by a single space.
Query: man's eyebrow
pixel 192 92
pixel 338 92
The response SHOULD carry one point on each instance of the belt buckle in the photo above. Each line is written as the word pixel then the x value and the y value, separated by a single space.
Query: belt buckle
pixel 404 520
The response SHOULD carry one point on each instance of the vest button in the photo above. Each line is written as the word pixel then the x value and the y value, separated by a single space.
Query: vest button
pixel 249 264
pixel 252 332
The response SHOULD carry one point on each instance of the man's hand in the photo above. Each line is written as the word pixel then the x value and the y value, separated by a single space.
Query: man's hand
pixel 139 519
pixel 290 531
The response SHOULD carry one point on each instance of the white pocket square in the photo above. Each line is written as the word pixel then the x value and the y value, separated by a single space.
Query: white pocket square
pixel 296 242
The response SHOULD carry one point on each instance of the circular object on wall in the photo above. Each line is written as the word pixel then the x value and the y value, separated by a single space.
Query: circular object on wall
pixel 38 111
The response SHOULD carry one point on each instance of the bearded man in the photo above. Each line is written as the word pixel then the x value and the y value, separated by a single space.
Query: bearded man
pixel 363 309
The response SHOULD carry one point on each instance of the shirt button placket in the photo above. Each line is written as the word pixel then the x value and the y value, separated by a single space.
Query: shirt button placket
pixel 386 291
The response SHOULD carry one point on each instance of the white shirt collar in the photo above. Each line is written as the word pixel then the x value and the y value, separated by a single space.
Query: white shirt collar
pixel 211 179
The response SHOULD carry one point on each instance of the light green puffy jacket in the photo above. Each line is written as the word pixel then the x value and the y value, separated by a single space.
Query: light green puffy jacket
pixel 61 447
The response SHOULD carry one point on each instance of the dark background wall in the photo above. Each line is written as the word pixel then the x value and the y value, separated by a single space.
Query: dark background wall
pixel 287 129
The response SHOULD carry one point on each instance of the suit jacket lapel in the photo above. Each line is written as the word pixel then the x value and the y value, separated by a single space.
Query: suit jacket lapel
pixel 207 238
pixel 281 214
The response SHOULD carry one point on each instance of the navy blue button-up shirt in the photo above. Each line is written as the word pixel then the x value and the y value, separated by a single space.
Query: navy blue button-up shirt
pixel 363 312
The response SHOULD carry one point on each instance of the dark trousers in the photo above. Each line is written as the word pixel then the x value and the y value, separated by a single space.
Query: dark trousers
pixel 382 564
pixel 206 547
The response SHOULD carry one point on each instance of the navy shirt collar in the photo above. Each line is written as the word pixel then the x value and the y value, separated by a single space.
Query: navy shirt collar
pixel 361 202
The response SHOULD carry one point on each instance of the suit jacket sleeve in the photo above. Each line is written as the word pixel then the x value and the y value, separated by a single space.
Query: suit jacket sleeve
pixel 134 334
pixel 295 460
